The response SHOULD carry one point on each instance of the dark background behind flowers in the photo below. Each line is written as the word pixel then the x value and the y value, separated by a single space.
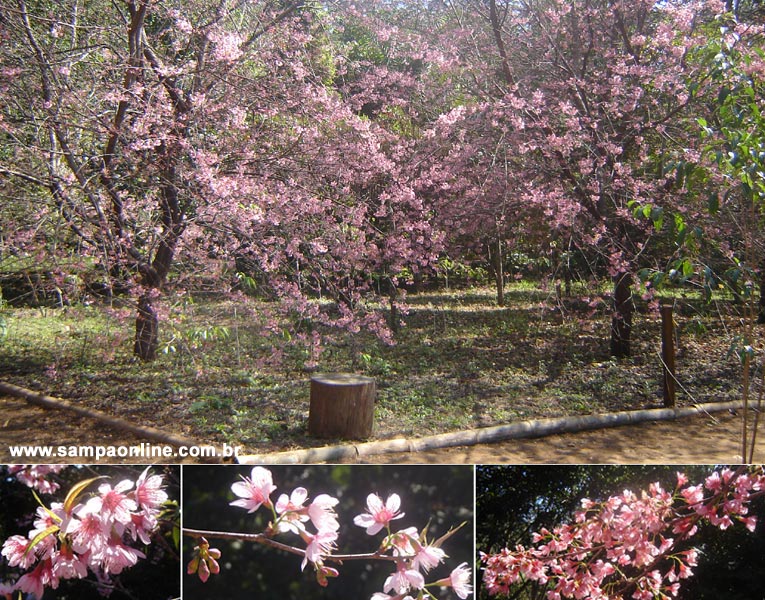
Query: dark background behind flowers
pixel 441 495
pixel 153 578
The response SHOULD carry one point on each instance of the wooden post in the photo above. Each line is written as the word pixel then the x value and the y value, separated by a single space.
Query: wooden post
pixel 342 405
pixel 668 354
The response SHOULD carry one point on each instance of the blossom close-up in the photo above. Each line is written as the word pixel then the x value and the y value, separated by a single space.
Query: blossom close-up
pixel 254 491
pixel 379 514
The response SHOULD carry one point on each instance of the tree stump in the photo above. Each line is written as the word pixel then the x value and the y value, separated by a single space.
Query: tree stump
pixel 342 405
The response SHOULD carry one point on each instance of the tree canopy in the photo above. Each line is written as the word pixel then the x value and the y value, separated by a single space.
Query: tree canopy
pixel 304 151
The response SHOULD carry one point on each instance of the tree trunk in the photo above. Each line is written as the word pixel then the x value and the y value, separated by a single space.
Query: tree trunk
pixel 146 329
pixel 154 275
pixel 761 310
pixel 621 322
pixel 497 264
pixel 394 314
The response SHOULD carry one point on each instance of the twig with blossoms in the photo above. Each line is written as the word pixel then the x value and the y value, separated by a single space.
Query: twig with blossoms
pixel 408 549
pixel 628 546
pixel 36 476
pixel 78 535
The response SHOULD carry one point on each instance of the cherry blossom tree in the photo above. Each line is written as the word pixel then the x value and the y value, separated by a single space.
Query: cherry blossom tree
pixel 161 140
pixel 584 104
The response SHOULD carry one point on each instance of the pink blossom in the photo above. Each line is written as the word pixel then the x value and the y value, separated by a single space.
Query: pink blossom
pixel 631 532
pixel 88 530
pixel 404 580
pixel 227 46
pixel 254 491
pixel 379 515
pixel 290 508
pixel 113 503
pixel 750 523
pixel 35 476
pixel 116 556
pixel 15 552
pixel 428 557
pixel 69 565
pixel 459 580
pixel 319 545
pixel 293 502
pixel 403 542
pixel 322 513
pixel 149 491
pixel 141 527
pixel 693 494
pixel 36 581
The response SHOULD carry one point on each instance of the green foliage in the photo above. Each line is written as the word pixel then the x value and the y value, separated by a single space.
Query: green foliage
pixel 455 270
pixel 735 133
pixel 373 364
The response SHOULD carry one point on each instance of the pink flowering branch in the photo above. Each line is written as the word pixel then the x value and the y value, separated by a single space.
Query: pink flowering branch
pixel 628 546
pixel 261 538
pixel 316 523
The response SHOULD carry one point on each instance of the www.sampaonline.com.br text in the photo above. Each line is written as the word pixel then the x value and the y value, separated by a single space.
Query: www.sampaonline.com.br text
pixel 142 451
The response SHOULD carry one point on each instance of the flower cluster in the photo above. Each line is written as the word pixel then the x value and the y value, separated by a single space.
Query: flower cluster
pixel 36 476
pixel 290 515
pixel 97 534
pixel 628 545
pixel 205 560
pixel 413 554
pixel 317 525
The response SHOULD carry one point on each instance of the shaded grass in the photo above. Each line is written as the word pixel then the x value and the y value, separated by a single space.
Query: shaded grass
pixel 459 362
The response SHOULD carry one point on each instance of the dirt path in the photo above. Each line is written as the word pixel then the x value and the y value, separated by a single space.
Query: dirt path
pixel 694 440
pixel 22 424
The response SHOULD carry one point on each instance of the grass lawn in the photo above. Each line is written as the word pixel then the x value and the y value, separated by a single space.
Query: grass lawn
pixel 459 362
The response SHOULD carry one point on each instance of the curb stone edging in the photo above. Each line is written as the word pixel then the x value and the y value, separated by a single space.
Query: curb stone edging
pixel 533 428
pixel 485 435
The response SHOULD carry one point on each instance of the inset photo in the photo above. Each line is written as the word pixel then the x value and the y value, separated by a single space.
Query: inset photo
pixel 620 532
pixel 75 532
pixel 302 532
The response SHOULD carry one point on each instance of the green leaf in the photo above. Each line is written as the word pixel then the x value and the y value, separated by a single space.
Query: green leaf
pixel 657 216
pixel 40 537
pixel 74 493
pixel 687 268
pixel 714 203
pixel 49 512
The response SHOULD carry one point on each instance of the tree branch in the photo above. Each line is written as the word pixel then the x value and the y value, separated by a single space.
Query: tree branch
pixel 260 538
